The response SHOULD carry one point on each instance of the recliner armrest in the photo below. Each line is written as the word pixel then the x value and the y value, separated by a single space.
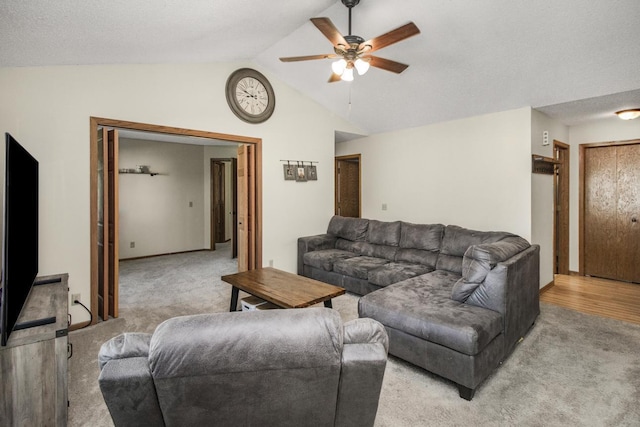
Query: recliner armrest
pixel 365 331
pixel 313 243
pixel 364 359
pixel 129 392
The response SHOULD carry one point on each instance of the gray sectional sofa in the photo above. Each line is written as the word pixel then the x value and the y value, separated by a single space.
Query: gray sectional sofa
pixel 453 301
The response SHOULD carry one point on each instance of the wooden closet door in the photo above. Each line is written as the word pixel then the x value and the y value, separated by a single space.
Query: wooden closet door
pixel 612 212
pixel 600 220
pixel 628 214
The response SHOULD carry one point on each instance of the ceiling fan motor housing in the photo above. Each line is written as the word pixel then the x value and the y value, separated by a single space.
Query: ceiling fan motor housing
pixel 350 3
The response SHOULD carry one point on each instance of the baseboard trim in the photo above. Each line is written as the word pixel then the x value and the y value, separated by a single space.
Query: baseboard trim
pixel 574 273
pixel 76 326
pixel 546 287
pixel 168 253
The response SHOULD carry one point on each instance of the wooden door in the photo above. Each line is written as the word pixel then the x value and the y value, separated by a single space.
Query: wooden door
pixel 107 223
pixel 218 208
pixel 628 215
pixel 114 229
pixel 611 212
pixel 103 220
pixel 347 191
pixel 234 208
pixel 561 208
pixel 246 208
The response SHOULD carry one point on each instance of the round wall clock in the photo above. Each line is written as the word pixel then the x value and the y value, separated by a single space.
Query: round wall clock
pixel 250 95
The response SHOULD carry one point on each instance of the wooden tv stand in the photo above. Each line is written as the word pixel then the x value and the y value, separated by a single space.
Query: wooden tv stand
pixel 33 364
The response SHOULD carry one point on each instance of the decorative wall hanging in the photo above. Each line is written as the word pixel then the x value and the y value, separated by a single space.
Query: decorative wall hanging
pixel 297 170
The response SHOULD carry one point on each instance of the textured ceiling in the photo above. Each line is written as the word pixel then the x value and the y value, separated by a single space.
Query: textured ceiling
pixel 576 60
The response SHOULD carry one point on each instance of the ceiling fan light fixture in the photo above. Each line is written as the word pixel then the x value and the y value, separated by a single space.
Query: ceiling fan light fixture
pixel 347 75
pixel 629 114
pixel 339 66
pixel 362 66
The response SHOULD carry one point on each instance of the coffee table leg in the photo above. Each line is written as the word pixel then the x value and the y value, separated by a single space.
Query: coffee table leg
pixel 328 304
pixel 234 299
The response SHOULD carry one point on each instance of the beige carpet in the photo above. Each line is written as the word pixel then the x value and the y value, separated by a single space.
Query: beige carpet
pixel 571 370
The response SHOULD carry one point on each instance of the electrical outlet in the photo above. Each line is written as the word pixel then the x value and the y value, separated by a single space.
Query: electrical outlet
pixel 270 263
pixel 132 245
pixel 384 206
pixel 74 298
pixel 190 204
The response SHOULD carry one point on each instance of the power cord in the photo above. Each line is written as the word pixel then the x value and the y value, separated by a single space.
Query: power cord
pixel 88 311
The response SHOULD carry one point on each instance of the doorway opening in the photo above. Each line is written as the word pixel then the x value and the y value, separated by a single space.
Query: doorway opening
pixel 224 202
pixel 104 212
pixel 561 208
pixel 348 199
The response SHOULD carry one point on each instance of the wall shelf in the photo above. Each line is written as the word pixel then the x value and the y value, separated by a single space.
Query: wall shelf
pixel 138 173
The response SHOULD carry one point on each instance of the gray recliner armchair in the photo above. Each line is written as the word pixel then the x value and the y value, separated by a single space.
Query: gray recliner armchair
pixel 270 368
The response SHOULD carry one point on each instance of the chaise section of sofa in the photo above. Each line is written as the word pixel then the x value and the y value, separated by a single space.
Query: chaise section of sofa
pixel 454 301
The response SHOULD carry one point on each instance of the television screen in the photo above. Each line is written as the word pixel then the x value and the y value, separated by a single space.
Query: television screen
pixel 20 233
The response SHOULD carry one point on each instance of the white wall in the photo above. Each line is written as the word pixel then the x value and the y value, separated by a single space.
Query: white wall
pixel 155 211
pixel 542 216
pixel 48 108
pixel 473 172
pixel 605 130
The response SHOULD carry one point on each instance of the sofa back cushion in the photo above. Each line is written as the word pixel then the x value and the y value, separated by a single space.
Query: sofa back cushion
pixel 379 251
pixel 417 256
pixel 457 240
pixel 354 229
pixel 384 233
pixel 427 237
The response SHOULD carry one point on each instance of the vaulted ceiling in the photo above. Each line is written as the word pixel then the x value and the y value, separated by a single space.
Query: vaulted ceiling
pixel 576 60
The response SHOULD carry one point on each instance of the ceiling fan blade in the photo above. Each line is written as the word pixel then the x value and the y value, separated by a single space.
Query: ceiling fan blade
pixel 308 57
pixel 334 78
pixel 330 31
pixel 387 64
pixel 393 36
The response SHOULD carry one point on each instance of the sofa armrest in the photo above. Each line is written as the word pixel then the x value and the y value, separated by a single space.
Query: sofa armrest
pixel 512 288
pixel 313 243
pixel 364 359
pixel 129 392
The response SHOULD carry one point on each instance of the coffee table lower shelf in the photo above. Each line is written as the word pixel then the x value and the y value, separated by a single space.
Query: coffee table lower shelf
pixel 283 289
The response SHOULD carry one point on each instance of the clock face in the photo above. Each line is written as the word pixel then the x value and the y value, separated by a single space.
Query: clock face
pixel 250 95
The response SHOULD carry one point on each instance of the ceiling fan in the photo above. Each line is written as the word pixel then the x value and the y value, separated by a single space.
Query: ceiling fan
pixel 353 51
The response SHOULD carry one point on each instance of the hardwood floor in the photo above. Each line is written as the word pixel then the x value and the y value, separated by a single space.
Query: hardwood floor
pixel 601 297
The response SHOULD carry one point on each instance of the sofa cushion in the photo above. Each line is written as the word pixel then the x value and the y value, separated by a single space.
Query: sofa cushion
pixel 457 240
pixel 358 267
pixel 354 229
pixel 384 233
pixel 422 307
pixel 326 258
pixel 421 236
pixel 480 259
pixel 379 251
pixel 417 256
pixel 395 272
pixel 348 245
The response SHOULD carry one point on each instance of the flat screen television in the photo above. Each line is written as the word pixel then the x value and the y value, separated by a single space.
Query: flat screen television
pixel 20 233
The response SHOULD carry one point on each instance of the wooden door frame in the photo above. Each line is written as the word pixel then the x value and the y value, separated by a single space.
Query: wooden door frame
pixel 581 190
pixel 234 190
pixel 357 157
pixel 563 175
pixel 96 122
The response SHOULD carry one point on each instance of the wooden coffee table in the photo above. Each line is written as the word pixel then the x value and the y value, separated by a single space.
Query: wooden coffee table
pixel 283 289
